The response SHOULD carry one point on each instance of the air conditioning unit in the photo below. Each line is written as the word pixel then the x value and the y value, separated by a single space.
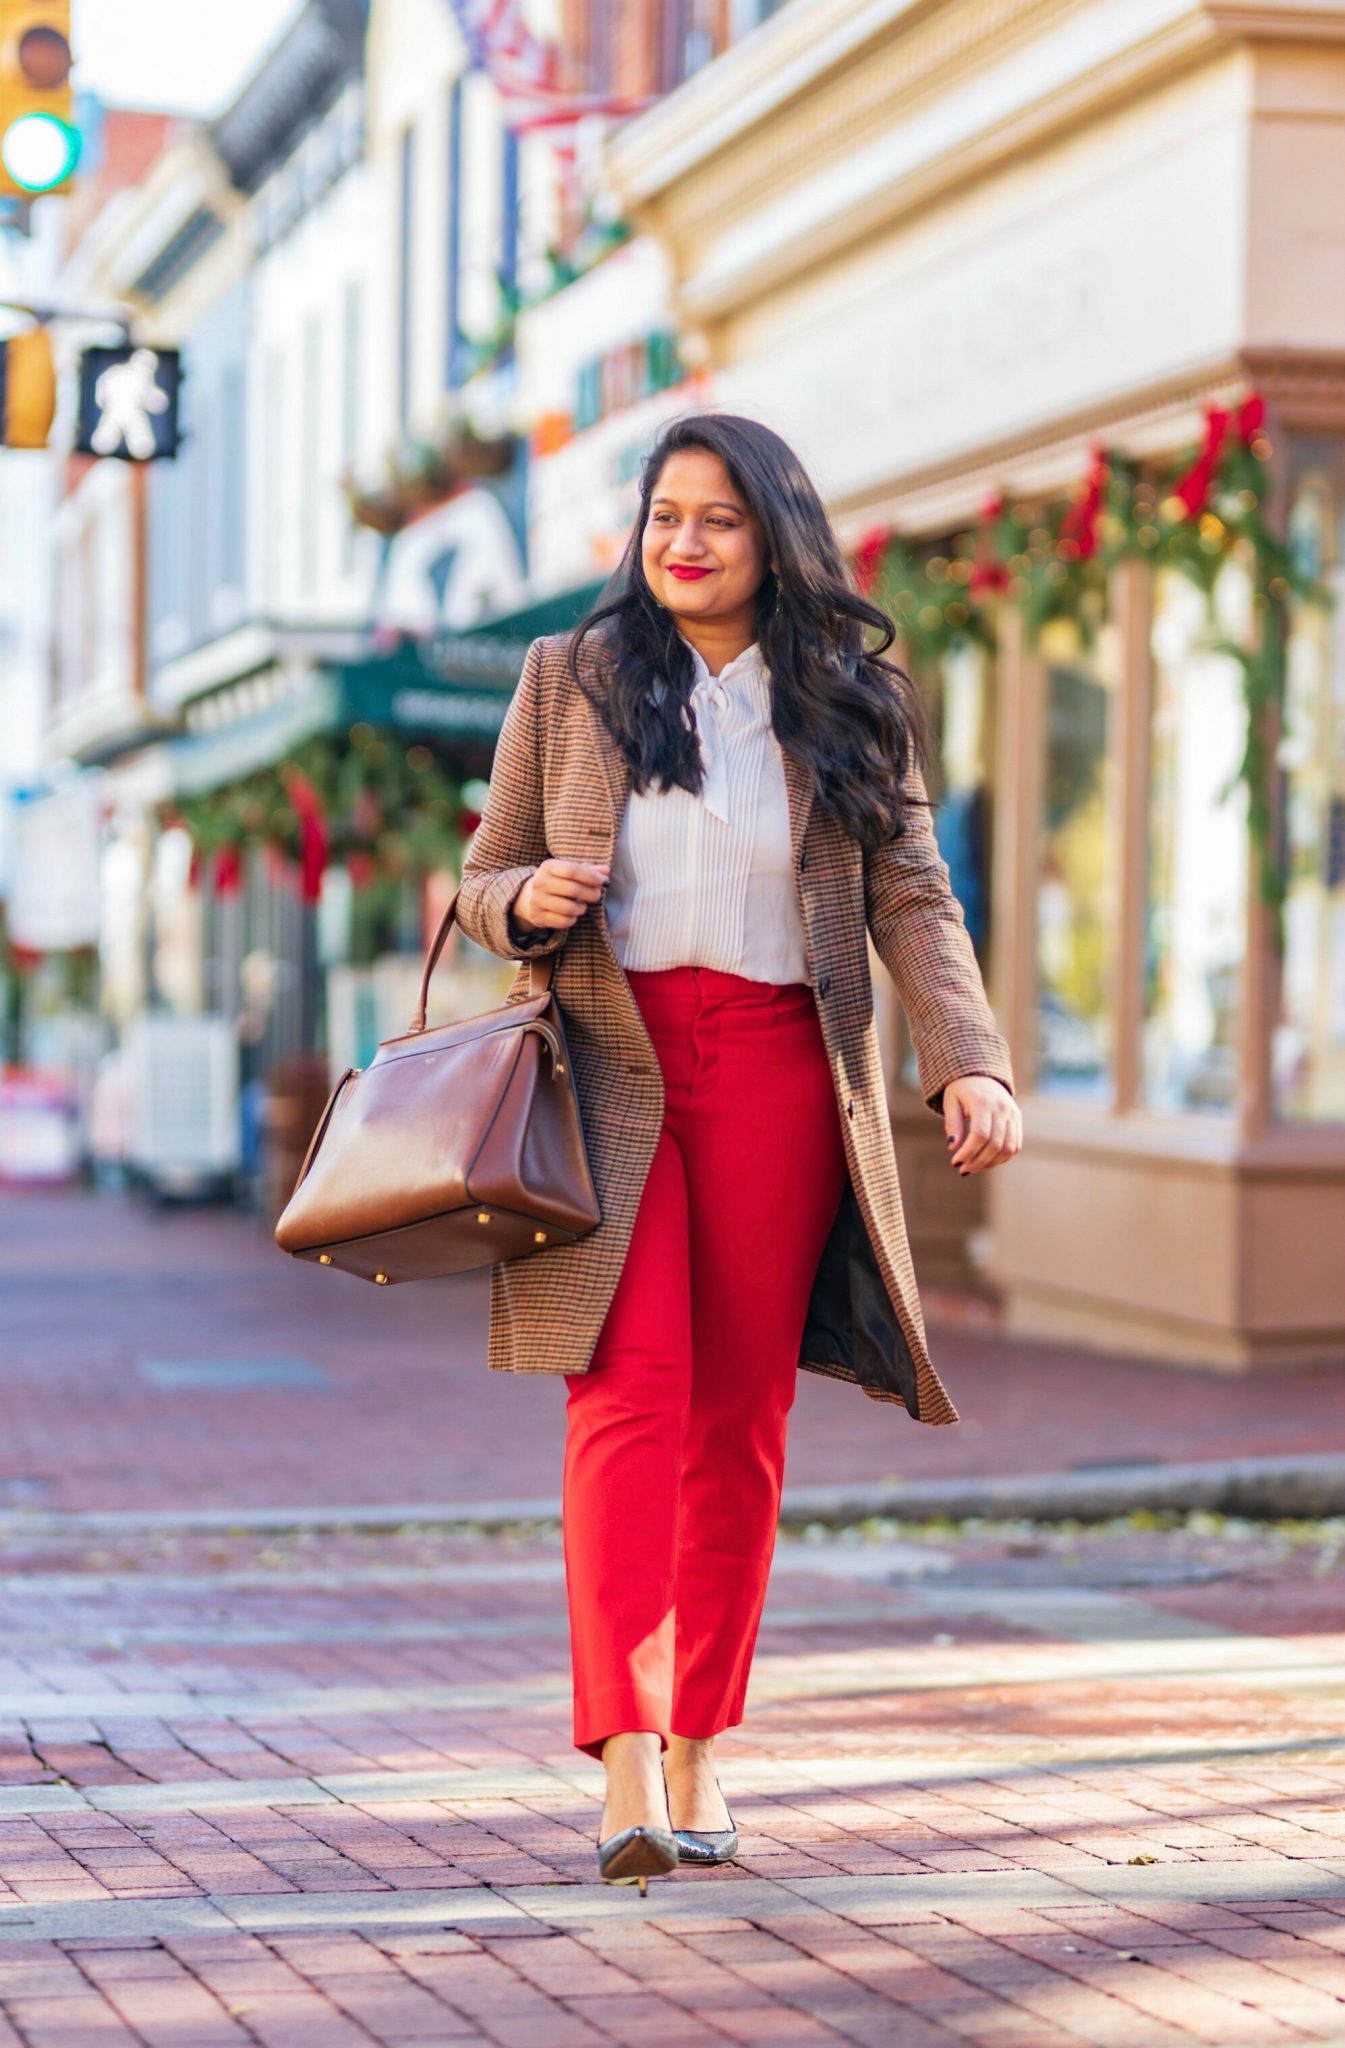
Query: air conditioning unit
pixel 182 1088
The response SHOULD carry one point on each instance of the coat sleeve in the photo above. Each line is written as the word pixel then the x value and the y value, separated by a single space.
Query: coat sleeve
pixel 921 938
pixel 509 845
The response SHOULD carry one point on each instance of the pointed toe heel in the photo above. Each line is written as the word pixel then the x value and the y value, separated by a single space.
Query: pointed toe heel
pixel 636 1855
pixel 694 1846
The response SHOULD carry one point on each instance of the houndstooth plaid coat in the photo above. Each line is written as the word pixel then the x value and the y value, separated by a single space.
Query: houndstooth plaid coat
pixel 558 788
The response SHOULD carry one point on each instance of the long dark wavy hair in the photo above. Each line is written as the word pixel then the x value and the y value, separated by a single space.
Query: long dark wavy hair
pixel 843 712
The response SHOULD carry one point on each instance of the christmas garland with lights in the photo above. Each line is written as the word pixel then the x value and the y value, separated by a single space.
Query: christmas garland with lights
pixel 1054 562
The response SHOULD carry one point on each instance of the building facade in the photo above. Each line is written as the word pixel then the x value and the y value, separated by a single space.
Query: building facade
pixel 974 258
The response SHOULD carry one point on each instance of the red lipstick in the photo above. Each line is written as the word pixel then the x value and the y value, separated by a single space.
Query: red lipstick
pixel 685 573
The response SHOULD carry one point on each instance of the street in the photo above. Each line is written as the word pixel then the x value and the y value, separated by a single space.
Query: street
pixel 280 1768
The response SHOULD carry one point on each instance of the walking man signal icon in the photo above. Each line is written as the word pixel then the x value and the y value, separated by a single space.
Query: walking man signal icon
pixel 128 403
pixel 127 397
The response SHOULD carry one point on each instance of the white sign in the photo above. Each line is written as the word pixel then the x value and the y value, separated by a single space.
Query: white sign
pixel 54 873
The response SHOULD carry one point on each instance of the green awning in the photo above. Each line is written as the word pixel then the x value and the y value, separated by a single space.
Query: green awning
pixel 202 761
pixel 454 687
pixel 493 651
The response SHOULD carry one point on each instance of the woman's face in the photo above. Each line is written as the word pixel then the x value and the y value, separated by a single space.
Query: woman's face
pixel 703 551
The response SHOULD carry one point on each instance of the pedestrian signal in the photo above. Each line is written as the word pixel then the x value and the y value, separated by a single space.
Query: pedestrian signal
pixel 27 389
pixel 39 142
pixel 128 403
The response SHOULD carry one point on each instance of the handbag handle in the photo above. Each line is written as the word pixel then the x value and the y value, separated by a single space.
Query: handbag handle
pixel 539 971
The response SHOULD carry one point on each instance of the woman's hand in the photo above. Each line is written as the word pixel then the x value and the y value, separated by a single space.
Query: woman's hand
pixel 558 894
pixel 983 1122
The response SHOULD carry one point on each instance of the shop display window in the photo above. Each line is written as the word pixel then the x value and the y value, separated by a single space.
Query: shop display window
pixel 1308 1048
pixel 959 701
pixel 1077 864
pixel 1196 897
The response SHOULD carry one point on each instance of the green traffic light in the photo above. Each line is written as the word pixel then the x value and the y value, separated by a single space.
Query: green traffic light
pixel 39 151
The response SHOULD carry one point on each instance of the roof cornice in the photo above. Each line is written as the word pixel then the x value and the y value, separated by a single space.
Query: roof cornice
pixel 942 94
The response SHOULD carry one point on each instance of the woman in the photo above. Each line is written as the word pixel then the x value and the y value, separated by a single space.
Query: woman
pixel 705 800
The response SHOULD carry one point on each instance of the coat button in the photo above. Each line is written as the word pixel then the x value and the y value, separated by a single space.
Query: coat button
pixel 803 860
pixel 850 1109
pixel 824 985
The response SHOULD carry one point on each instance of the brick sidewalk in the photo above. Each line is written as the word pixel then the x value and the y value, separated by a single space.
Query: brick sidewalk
pixel 989 1792
pixel 326 1392
pixel 313 1789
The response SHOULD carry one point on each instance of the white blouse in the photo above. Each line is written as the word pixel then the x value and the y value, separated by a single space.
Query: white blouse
pixel 708 880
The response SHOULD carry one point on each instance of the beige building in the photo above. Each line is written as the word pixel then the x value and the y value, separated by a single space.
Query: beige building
pixel 950 247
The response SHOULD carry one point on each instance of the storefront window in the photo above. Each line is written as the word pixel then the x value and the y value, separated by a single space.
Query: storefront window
pixel 1196 905
pixel 1309 1043
pixel 959 697
pixel 1078 864
pixel 960 711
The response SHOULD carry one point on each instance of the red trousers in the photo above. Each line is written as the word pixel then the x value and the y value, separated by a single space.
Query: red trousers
pixel 676 1435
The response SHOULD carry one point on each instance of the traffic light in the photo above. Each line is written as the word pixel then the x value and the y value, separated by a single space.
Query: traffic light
pixel 39 142
pixel 27 389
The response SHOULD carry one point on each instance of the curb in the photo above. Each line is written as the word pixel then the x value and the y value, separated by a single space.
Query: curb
pixel 1260 1489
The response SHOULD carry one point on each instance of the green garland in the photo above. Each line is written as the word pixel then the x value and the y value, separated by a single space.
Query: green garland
pixel 1055 562
pixel 390 811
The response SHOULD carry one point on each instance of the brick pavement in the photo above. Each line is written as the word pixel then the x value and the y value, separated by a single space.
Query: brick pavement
pixel 1011 1786
pixel 328 1392
pixel 999 1785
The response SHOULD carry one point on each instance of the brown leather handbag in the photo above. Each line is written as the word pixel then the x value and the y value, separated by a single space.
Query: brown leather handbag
pixel 458 1146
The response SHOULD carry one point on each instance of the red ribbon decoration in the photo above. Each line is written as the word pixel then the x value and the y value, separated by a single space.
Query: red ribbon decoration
pixel 869 551
pixel 312 834
pixel 1194 488
pixel 1080 524
pixel 228 875
pixel 988 573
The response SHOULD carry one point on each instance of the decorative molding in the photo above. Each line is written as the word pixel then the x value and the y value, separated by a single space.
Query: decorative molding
pixel 1257 21
pixel 1306 386
pixel 1046 461
pixel 731 244
pixel 781 61
pixel 846 107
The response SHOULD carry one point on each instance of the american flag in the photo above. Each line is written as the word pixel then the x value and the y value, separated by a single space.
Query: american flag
pixel 525 70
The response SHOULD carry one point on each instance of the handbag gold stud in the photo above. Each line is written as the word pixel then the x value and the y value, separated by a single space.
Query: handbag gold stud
pixel 483 1215
pixel 324 1258
pixel 539 1237
pixel 380 1279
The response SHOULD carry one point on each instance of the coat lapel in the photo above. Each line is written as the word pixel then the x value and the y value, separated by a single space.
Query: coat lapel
pixel 799 790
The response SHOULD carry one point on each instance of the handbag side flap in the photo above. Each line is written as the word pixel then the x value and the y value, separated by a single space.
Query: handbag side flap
pixel 401 1139
pixel 509 1017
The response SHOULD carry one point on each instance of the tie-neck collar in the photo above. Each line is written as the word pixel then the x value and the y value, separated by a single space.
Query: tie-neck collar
pixel 747 666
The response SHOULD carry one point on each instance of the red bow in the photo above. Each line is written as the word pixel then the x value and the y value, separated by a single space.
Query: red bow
pixel 228 869
pixel 869 552
pixel 1080 523
pixel 988 573
pixel 1193 489
pixel 312 834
